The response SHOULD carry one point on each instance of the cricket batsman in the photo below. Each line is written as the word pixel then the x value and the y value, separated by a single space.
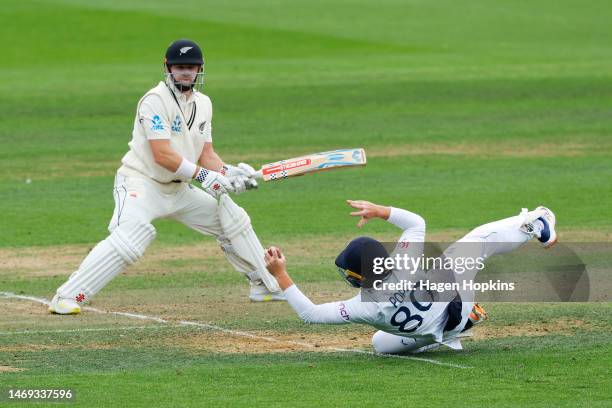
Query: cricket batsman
pixel 171 146
pixel 405 323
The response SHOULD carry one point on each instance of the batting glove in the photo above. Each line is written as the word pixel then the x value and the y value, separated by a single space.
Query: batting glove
pixel 241 176
pixel 214 183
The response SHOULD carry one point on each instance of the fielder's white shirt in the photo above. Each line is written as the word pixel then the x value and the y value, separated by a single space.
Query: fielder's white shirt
pixel 399 318
pixel 165 113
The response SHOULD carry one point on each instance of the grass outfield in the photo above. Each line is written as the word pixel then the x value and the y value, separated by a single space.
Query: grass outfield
pixel 467 113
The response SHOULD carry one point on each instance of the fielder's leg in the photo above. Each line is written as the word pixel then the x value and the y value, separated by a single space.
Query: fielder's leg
pixel 131 233
pixel 513 232
pixel 500 237
pixel 387 343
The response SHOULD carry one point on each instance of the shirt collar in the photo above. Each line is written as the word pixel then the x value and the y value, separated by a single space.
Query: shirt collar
pixel 181 97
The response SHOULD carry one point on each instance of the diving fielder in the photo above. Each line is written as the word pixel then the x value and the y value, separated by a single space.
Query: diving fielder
pixel 171 146
pixel 406 324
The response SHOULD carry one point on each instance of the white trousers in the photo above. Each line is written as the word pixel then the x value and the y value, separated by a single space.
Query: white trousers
pixel 145 200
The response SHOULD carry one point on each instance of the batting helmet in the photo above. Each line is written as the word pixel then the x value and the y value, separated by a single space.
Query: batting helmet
pixel 185 52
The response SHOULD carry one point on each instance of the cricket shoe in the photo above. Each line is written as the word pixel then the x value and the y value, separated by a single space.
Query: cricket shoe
pixel 541 223
pixel 478 314
pixel 260 293
pixel 64 306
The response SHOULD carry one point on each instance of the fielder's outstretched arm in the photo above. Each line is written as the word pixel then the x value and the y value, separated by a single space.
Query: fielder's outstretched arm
pixel 326 313
pixel 351 310
pixel 412 224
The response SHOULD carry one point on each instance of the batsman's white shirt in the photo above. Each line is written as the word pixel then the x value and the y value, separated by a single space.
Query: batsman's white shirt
pixel 403 317
pixel 165 113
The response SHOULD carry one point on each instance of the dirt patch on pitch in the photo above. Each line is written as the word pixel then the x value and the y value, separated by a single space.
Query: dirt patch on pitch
pixel 33 347
pixel 58 167
pixel 207 256
pixel 9 369
pixel 566 327
pixel 276 342
pixel 487 149
pixel 497 148
pixel 42 261
pixel 13 307
pixel 20 348
pixel 269 342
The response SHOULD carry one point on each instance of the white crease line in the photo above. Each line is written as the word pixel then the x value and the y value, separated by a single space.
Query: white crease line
pixel 237 332
pixel 91 329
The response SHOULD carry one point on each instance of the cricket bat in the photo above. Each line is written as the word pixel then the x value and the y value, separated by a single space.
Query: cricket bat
pixel 298 166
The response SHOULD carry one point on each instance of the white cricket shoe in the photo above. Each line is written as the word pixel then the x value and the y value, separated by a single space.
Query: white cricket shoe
pixel 260 293
pixel 64 306
pixel 546 234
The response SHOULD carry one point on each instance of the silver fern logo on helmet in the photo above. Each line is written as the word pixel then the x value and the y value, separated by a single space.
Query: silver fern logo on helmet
pixel 184 50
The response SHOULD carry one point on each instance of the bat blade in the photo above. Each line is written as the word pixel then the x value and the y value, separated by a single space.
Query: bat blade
pixel 313 163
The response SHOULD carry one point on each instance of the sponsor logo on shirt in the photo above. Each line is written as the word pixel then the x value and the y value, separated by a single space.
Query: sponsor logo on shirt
pixel 157 123
pixel 201 126
pixel 176 124
pixel 343 312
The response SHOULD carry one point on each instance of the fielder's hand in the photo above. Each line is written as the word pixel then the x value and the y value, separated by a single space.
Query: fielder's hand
pixel 368 210
pixel 242 176
pixel 275 262
pixel 214 183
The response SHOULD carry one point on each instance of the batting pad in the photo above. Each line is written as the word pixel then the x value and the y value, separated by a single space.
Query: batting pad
pixel 246 253
pixel 126 244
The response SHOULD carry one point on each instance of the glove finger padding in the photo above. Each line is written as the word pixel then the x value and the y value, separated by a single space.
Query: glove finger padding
pixel 248 170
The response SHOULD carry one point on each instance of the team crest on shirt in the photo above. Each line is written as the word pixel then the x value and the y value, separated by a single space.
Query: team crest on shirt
pixel 201 126
pixel 176 124
pixel 157 123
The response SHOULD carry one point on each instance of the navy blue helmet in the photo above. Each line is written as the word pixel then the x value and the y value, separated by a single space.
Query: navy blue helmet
pixel 355 262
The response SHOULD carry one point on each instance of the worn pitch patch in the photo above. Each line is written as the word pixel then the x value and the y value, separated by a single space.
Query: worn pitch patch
pixel 237 333
pixel 62 260
pixel 9 369
pixel 558 327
